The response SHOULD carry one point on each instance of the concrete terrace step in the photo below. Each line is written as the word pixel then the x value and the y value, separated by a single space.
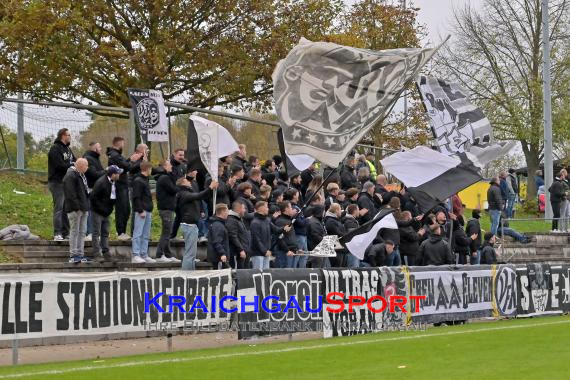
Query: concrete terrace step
pixel 94 267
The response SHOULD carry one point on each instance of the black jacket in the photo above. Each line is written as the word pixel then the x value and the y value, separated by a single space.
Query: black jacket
pixel 95 169
pixel 261 232
pixel 435 251
pixel 188 203
pixel 315 232
pixel 557 191
pixel 307 176
pixel 75 192
pixel 376 254
pixel 100 197
pixel 254 188
pixel 366 201
pixel 494 197
pixel 409 241
pixel 60 158
pixel 334 226
pixel 116 158
pixel 301 221
pixel 239 235
pixel 348 179
pixel 289 240
pixel 166 191
pixel 488 254
pixel 474 227
pixel 350 223
pixel 142 198
pixel 462 242
pixel 178 168
pixel 218 241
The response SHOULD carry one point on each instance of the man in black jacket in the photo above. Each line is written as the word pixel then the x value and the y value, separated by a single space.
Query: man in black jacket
pixel 315 234
pixel 239 237
pixel 368 200
pixel 286 247
pixel 94 172
pixel 218 240
pixel 474 227
pixel 435 250
pixel 347 177
pixel 376 254
pixel 558 191
pixel 496 203
pixel 488 254
pixel 350 220
pixel 409 239
pixel 178 163
pixel 102 199
pixel 188 205
pixel 334 226
pixel 166 202
pixel 262 231
pixel 142 207
pixel 123 205
pixel 60 158
pixel 76 207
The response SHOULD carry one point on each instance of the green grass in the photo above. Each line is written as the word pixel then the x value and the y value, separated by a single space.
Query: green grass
pixel 510 349
pixel 521 226
pixel 35 207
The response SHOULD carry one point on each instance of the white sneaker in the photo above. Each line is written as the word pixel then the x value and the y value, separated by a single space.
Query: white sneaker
pixel 58 238
pixel 203 239
pixel 89 237
pixel 124 237
pixel 138 260
pixel 163 259
pixel 150 260
pixel 175 260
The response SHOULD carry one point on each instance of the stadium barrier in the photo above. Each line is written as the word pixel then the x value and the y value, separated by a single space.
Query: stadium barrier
pixel 43 305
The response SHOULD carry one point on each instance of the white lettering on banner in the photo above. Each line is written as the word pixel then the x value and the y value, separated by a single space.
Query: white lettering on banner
pixel 51 304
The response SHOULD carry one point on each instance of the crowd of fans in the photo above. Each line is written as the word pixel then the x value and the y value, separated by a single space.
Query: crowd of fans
pixel 262 217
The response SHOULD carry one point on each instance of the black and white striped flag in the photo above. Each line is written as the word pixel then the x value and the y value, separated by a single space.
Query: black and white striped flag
pixel 431 177
pixel 357 240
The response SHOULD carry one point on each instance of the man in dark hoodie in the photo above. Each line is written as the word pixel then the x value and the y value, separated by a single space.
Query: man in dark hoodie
pixel 218 240
pixel 166 191
pixel 558 191
pixel 239 236
pixel 409 239
pixel 188 205
pixel 60 158
pixel 178 163
pixel 435 250
pixel 347 177
pixel 368 200
pixel 262 231
pixel 462 243
pixel 334 226
pixel 286 247
pixel 93 173
pixel 377 254
pixel 76 207
pixel 123 205
pixel 300 225
pixel 474 227
pixel 488 254
pixel 315 234
pixel 102 200
pixel 350 220
pixel 142 207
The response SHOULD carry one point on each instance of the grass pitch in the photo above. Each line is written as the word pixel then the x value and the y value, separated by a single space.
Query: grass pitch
pixel 512 349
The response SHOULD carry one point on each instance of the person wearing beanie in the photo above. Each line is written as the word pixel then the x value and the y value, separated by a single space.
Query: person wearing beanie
pixel 488 254
pixel 474 227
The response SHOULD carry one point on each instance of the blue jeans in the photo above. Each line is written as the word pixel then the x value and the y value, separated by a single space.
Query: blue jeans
pixel 203 222
pixel 352 261
pixel 293 261
pixel 141 234
pixel 302 244
pixel 190 233
pixel 512 233
pixel 476 260
pixel 281 259
pixel 495 217
pixel 510 205
pixel 259 262
pixel 89 223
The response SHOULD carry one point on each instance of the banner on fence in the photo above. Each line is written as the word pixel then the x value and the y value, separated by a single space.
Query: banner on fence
pixel 279 301
pixel 40 305
pixel 543 289
pixel 364 282
pixel 461 293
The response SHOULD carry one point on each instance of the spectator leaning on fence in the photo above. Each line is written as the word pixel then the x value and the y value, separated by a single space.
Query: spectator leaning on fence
pixel 60 158
pixel 76 207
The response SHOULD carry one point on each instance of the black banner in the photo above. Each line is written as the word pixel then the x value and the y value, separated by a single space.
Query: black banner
pixel 543 289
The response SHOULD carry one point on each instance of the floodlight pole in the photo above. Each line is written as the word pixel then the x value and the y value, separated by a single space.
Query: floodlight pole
pixel 548 164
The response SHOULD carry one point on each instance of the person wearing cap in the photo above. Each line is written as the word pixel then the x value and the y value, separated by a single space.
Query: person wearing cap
pixel 102 199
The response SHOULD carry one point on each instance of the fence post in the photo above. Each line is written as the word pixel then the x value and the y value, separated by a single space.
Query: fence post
pixel 21 146
pixel 15 351
pixel 132 132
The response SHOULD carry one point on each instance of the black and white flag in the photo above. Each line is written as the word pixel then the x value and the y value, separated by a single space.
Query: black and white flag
pixel 207 143
pixel 293 163
pixel 357 240
pixel 328 96
pixel 150 115
pixel 458 125
pixel 431 177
